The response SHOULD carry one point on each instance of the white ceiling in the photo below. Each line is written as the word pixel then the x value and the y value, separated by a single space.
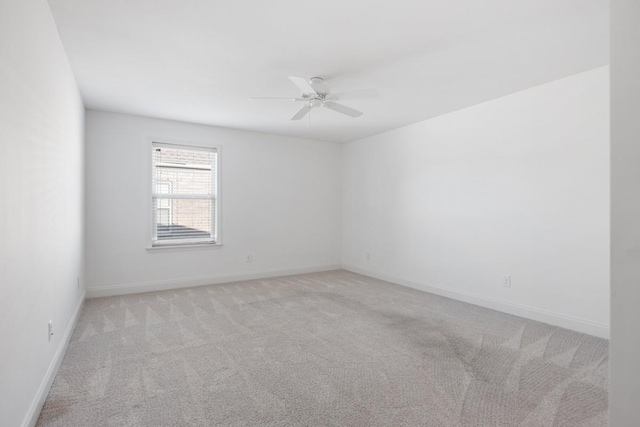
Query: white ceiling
pixel 200 60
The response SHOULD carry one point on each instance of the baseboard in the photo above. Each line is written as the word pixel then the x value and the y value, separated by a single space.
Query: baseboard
pixel 31 417
pixel 556 319
pixel 163 285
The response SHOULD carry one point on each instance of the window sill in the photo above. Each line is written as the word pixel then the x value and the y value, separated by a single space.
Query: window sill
pixel 183 246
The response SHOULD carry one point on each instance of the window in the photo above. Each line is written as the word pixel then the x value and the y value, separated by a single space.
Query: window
pixel 184 194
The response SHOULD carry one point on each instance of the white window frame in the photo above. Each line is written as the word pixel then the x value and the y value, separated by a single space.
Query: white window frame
pixel 215 197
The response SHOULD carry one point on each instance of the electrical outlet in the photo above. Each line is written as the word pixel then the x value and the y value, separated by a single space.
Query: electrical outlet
pixel 50 328
pixel 507 282
pixel 249 258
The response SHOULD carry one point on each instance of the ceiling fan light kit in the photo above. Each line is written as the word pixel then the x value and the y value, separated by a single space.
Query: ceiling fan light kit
pixel 315 93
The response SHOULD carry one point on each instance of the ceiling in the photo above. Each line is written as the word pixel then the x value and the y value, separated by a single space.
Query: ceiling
pixel 200 60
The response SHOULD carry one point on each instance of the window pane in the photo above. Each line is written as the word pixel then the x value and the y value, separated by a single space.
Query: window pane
pixel 178 219
pixel 180 171
pixel 184 193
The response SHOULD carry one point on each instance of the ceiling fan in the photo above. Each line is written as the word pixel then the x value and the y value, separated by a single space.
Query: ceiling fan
pixel 315 93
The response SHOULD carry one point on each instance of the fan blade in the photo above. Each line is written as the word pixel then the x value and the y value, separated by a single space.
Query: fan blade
pixel 269 97
pixel 343 109
pixel 303 85
pixel 355 94
pixel 301 113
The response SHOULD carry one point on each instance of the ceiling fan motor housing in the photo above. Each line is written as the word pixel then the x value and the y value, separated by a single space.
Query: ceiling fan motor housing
pixel 318 84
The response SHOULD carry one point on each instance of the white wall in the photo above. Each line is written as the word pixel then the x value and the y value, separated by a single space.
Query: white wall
pixel 41 208
pixel 516 186
pixel 280 203
pixel 625 213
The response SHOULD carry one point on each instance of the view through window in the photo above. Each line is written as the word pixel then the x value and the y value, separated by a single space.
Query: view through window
pixel 184 196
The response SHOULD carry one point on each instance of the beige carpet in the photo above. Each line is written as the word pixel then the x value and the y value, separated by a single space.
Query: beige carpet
pixel 323 349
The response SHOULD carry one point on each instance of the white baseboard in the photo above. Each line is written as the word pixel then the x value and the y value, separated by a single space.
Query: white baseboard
pixel 556 319
pixel 188 282
pixel 31 417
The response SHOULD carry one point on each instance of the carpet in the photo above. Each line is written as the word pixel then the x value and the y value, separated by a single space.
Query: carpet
pixel 321 349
